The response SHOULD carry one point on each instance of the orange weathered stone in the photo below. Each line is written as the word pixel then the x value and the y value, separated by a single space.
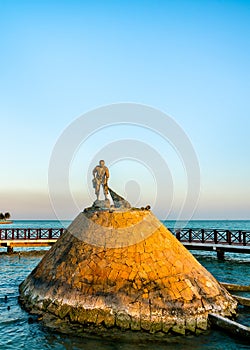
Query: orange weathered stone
pixel 125 270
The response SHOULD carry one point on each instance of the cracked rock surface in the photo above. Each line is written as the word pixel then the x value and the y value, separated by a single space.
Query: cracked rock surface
pixel 124 271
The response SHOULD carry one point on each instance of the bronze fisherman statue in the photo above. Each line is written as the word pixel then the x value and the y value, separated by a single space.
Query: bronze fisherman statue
pixel 101 176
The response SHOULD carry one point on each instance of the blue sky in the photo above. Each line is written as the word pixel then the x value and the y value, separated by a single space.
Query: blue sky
pixel 190 59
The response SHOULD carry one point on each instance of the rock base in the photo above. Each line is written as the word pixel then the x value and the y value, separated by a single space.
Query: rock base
pixel 101 204
pixel 105 323
pixel 112 272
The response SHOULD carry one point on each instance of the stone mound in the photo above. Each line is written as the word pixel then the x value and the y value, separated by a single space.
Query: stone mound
pixel 124 270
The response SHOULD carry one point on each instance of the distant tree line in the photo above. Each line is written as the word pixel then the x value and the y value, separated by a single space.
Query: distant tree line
pixel 4 216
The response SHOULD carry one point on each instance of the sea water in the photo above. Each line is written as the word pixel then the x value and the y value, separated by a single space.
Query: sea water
pixel 16 332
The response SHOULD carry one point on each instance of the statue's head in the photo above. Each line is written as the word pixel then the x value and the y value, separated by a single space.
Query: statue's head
pixel 101 163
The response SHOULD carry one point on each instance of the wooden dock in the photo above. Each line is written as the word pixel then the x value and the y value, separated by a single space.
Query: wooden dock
pixel 219 241
pixel 28 237
pixel 232 327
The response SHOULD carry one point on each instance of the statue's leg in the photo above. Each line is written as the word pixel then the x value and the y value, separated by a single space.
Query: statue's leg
pixel 97 190
pixel 105 190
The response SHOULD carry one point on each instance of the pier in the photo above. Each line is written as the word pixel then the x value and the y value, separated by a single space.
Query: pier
pixel 219 241
pixel 28 237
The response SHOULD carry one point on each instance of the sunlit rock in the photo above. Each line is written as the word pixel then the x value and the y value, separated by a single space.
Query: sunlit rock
pixel 124 270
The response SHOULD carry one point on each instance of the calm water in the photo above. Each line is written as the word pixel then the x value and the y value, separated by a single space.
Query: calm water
pixel 17 333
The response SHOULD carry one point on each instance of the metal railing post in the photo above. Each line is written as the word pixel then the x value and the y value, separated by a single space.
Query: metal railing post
pixel 244 238
pixel 229 237
pixel 215 236
pixel 178 234
pixel 190 235
pixel 240 239
pixel 202 235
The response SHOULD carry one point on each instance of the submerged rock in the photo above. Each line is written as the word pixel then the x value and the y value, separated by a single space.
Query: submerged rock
pixel 124 270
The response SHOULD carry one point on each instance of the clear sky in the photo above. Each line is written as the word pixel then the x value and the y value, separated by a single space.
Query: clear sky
pixel 189 59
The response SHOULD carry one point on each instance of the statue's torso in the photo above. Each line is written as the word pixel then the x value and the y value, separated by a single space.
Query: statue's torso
pixel 100 172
